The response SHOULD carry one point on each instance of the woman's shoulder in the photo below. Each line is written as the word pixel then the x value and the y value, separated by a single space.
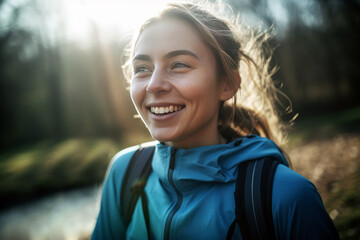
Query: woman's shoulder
pixel 294 195
pixel 290 187
pixel 120 161
pixel 298 210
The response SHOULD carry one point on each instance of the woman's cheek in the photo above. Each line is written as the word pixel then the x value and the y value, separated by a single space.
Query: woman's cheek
pixel 137 93
pixel 134 93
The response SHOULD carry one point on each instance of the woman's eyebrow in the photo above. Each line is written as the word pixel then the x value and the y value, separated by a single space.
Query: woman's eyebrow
pixel 171 54
pixel 180 52
pixel 143 57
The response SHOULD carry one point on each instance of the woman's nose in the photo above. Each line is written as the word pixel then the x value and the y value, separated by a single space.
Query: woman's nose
pixel 158 83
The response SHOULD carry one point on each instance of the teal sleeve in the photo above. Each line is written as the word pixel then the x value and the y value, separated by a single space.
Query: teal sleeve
pixel 110 224
pixel 298 210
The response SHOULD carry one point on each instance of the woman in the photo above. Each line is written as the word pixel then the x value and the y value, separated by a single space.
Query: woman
pixel 185 70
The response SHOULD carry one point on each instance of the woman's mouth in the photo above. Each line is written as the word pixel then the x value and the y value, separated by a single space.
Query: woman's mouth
pixel 166 109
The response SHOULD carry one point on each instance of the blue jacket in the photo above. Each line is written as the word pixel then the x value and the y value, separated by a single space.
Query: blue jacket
pixel 191 195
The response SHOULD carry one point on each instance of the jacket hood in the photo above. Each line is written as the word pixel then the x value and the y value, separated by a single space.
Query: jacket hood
pixel 216 163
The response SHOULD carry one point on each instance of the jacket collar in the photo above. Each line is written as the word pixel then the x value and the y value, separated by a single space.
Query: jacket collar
pixel 216 163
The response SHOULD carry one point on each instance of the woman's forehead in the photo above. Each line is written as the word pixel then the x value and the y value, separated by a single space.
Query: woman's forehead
pixel 168 35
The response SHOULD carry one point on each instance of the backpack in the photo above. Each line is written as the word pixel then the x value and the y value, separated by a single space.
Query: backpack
pixel 253 194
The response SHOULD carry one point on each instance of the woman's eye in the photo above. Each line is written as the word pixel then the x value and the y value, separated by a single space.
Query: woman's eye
pixel 141 69
pixel 179 65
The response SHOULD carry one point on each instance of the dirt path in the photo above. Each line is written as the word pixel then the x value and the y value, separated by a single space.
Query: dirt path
pixel 326 162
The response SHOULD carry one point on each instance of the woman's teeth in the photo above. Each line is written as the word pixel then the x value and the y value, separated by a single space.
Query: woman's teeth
pixel 167 109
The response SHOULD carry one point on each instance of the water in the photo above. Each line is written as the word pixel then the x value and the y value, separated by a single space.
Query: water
pixel 63 216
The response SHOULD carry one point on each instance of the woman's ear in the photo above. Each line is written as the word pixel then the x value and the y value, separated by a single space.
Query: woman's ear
pixel 229 87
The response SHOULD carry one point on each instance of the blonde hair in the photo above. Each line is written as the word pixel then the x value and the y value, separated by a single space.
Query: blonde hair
pixel 252 110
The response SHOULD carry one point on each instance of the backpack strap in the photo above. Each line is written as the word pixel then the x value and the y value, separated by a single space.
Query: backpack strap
pixel 253 195
pixel 134 182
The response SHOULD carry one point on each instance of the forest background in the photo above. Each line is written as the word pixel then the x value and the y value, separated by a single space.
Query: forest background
pixel 65 110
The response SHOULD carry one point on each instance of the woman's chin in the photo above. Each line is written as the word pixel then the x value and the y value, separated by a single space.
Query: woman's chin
pixel 165 138
pixel 161 137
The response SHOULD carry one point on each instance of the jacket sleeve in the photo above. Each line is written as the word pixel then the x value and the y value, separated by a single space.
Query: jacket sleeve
pixel 110 224
pixel 298 210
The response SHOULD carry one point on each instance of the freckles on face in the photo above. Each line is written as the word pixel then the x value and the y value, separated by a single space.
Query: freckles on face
pixel 175 87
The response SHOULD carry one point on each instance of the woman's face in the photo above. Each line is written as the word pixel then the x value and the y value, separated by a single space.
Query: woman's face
pixel 175 88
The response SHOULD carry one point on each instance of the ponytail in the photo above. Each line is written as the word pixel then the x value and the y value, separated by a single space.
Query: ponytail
pixel 239 121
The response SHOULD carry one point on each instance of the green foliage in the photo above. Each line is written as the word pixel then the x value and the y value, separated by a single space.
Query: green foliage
pixel 48 167
pixel 346 201
pixel 325 126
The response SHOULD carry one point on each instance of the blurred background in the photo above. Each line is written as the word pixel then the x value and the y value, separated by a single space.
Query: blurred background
pixel 65 110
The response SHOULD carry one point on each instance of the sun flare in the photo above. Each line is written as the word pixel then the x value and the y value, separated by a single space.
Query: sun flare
pixel 107 15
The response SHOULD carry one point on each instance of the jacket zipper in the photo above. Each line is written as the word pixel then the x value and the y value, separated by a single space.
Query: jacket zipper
pixel 178 193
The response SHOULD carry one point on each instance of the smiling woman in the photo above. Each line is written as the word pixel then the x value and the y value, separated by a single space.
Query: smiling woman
pixel 184 66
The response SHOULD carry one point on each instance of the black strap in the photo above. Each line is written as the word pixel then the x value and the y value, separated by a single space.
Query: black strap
pixel 253 195
pixel 268 174
pixel 231 230
pixel 144 205
pixel 134 182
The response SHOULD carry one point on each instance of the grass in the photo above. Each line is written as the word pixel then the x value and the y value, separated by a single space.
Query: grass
pixel 346 201
pixel 43 168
